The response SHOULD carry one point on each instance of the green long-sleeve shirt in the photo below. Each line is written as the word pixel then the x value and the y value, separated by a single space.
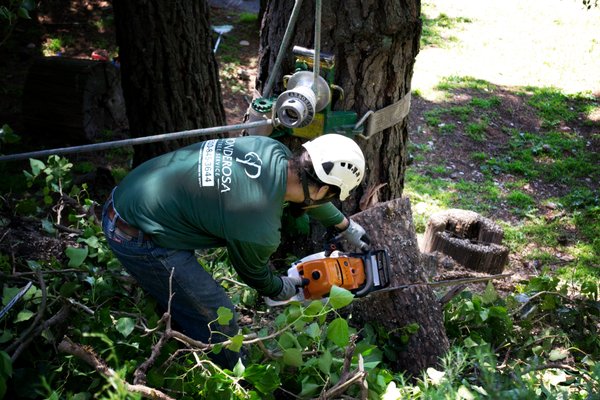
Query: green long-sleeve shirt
pixel 225 192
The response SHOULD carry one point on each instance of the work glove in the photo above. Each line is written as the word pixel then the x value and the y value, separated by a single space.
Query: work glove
pixel 355 235
pixel 290 287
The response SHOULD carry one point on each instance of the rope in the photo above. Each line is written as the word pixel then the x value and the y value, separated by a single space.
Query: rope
pixel 317 62
pixel 136 141
pixel 284 44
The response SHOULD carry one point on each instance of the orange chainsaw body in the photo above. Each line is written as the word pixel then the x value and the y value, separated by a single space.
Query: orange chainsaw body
pixel 345 272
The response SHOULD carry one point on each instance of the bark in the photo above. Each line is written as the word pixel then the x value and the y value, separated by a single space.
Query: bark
pixel 169 72
pixel 375 44
pixel 390 227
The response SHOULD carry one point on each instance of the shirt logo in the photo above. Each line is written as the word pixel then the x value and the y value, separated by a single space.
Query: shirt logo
pixel 253 164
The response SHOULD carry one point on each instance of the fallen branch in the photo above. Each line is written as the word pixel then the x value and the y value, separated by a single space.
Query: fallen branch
pixel 88 356
pixel 140 372
pixel 348 378
pixel 26 337
pixel 60 317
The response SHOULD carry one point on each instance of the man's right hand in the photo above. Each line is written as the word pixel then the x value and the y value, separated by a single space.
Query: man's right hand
pixel 290 287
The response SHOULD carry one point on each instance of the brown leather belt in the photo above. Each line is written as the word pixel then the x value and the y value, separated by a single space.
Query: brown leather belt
pixel 123 226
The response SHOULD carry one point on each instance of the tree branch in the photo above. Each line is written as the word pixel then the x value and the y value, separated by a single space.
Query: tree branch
pixel 348 378
pixel 26 337
pixel 88 356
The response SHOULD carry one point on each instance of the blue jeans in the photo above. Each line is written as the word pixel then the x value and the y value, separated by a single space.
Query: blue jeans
pixel 197 296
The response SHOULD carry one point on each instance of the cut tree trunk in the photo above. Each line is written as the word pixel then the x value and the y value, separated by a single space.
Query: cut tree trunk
pixel 390 227
pixel 72 101
pixel 470 239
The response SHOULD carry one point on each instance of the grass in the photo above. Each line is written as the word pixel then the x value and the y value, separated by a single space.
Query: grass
pixel 435 29
pixel 560 229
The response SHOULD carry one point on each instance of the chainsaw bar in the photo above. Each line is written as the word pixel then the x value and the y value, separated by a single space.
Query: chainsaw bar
pixel 449 282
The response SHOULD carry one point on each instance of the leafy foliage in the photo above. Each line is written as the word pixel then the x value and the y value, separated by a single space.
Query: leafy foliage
pixel 10 12
pixel 547 340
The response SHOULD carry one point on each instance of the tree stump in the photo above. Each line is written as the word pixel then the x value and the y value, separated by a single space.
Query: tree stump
pixel 470 239
pixel 72 101
pixel 390 227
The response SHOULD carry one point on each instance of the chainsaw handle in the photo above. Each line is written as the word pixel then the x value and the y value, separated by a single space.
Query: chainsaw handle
pixel 368 277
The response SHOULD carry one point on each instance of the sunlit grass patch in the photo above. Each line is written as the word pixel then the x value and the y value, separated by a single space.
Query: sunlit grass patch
pixel 465 82
pixel 435 29
pixel 486 103
pixel 476 130
pixel 520 202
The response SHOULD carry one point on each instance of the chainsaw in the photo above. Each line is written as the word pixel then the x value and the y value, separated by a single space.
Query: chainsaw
pixel 360 273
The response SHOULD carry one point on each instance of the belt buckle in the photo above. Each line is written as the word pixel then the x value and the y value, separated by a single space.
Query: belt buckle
pixel 123 234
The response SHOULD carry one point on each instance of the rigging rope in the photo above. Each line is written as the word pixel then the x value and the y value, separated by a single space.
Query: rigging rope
pixel 136 141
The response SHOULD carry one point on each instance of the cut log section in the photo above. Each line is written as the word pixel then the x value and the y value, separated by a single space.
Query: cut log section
pixel 72 101
pixel 470 239
pixel 390 227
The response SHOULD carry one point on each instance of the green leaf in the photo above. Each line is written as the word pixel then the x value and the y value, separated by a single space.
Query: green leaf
pixel 265 378
pixel 313 330
pixel 483 314
pixel 337 332
pixel 7 135
pixel 225 315
pixel 48 226
pixel 489 295
pixel 92 242
pixel 239 368
pixel 6 369
pixel 325 362
pixel 292 357
pixel 340 297
pixel 23 13
pixel 76 255
pixel 293 312
pixel 68 288
pixel 5 336
pixel 309 388
pixel 412 328
pixel 236 343
pixel 314 308
pixel 125 326
pixel 287 341
pixel 36 166
pixel 24 315
pixel 155 377
pixel 558 354
pixel 8 294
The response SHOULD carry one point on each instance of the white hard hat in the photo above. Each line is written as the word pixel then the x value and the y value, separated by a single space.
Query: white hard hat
pixel 338 161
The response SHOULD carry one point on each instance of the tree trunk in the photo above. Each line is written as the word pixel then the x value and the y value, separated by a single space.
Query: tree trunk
pixel 70 101
pixel 375 44
pixel 390 227
pixel 169 72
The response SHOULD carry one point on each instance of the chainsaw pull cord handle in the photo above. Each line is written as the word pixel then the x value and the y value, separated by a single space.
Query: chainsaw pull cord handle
pixel 369 279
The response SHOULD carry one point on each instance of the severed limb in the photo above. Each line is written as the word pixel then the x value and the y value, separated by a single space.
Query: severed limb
pixel 87 354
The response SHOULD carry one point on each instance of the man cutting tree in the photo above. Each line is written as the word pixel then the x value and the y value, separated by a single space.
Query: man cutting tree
pixel 225 193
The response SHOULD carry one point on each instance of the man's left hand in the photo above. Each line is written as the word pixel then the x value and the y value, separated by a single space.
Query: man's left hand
pixel 356 235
